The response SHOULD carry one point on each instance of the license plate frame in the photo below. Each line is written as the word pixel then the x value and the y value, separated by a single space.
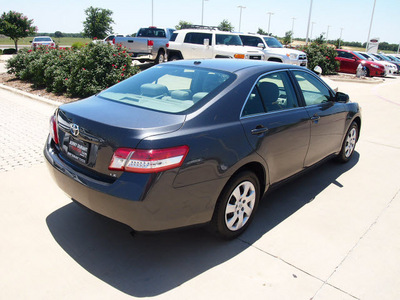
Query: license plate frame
pixel 78 150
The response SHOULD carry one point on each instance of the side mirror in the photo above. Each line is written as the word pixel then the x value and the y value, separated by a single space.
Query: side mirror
pixel 206 42
pixel 341 97
pixel 260 45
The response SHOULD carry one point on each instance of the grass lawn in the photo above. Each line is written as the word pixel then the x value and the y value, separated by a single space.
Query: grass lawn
pixel 64 41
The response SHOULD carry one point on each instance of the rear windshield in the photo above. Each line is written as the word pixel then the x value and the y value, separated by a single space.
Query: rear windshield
pixel 151 32
pixel 272 42
pixel 42 39
pixel 167 88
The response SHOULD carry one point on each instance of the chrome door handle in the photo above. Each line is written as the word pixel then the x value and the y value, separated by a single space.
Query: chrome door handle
pixel 259 130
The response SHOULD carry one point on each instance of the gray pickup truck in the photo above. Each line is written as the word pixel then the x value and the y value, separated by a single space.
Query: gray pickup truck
pixel 150 44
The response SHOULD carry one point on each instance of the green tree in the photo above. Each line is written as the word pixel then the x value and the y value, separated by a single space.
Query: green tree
pixel 225 25
pixel 182 25
pixel 58 34
pixel 288 37
pixel 320 40
pixel 261 31
pixel 16 26
pixel 98 22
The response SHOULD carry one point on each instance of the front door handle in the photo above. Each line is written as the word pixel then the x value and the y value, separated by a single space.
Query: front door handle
pixel 259 130
pixel 315 117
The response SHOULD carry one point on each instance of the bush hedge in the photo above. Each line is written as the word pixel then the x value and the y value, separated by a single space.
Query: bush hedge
pixel 9 51
pixel 1 51
pixel 79 73
pixel 321 55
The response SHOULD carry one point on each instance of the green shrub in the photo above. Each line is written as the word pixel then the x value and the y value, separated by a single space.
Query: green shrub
pixel 9 51
pixel 78 73
pixel 77 45
pixel 1 51
pixel 321 55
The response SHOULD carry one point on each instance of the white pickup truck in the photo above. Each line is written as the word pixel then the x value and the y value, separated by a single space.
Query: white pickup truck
pixel 273 49
pixel 150 44
pixel 209 43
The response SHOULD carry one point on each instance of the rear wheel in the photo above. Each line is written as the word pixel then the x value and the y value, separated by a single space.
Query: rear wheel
pixel 349 143
pixel 174 57
pixel 160 57
pixel 236 205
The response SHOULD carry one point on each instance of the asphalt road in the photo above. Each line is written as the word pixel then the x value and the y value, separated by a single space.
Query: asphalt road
pixel 331 234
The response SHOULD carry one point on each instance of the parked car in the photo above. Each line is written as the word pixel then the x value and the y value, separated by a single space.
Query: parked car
pixel 109 39
pixel 150 44
pixel 389 67
pixel 197 43
pixel 197 141
pixel 273 50
pixel 42 41
pixel 349 61
pixel 386 59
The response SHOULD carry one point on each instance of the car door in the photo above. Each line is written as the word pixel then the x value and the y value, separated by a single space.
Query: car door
pixel 194 47
pixel 276 126
pixel 327 117
pixel 347 62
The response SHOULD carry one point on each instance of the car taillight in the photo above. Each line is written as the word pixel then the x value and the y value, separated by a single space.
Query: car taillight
pixel 113 41
pixel 167 45
pixel 148 161
pixel 53 129
pixel 150 43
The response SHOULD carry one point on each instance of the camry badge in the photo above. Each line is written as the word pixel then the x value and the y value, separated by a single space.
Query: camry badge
pixel 74 130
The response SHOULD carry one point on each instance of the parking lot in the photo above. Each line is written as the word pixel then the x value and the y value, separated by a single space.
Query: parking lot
pixel 330 234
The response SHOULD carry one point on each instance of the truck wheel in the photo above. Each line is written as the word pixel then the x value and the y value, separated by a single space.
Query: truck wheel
pixel 174 57
pixel 160 57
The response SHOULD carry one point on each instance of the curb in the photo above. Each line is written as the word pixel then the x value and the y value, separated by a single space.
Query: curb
pixel 31 96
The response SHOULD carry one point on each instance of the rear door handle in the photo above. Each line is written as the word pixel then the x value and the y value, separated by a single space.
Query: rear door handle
pixel 259 130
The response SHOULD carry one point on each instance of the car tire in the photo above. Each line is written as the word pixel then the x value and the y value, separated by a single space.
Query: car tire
pixel 160 57
pixel 349 144
pixel 174 57
pixel 236 206
pixel 366 72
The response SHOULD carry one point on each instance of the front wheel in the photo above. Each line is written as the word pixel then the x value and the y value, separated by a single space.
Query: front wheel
pixel 236 205
pixel 349 143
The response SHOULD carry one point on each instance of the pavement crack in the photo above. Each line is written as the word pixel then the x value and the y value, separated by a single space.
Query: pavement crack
pixel 355 245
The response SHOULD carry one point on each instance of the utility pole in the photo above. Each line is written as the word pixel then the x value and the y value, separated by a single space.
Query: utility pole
pixel 152 13
pixel 269 22
pixel 240 17
pixel 327 33
pixel 312 26
pixel 370 25
pixel 309 20
pixel 291 37
pixel 202 11
pixel 340 39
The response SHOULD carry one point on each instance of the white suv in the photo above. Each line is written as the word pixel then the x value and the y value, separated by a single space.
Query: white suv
pixel 204 43
pixel 273 49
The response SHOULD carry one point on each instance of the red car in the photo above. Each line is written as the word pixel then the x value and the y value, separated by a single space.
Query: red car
pixel 350 60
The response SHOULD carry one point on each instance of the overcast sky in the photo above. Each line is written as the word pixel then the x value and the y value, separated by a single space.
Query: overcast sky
pixel 354 16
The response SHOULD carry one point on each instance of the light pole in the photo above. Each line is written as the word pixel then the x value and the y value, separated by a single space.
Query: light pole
pixel 152 13
pixel 240 17
pixel 327 33
pixel 370 25
pixel 309 20
pixel 269 22
pixel 291 37
pixel 202 11
pixel 340 39
pixel 312 26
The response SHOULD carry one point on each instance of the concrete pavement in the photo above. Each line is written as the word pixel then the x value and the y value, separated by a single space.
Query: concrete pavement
pixel 330 234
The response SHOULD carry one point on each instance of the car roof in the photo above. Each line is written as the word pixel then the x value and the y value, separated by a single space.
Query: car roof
pixel 233 65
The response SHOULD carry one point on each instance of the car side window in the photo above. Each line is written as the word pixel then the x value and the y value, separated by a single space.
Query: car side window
pixel 273 92
pixel 313 90
pixel 197 38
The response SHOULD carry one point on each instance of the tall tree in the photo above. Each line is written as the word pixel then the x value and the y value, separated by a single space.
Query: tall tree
pixel 225 25
pixel 16 26
pixel 261 31
pixel 182 25
pixel 288 37
pixel 98 22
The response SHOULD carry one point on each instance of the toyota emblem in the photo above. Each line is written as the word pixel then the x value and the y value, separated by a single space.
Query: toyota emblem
pixel 74 130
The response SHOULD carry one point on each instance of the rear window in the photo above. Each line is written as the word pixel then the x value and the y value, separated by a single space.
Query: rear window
pixel 151 32
pixel 167 88
pixel 42 39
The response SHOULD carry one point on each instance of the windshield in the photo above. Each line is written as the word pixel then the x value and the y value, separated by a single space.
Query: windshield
pixel 167 88
pixel 228 39
pixel 42 39
pixel 272 42
pixel 365 56
pixel 377 56
pixel 359 55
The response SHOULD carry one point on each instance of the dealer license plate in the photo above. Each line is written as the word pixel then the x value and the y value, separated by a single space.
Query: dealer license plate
pixel 78 150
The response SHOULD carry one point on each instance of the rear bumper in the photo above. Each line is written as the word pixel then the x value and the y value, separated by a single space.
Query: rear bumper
pixel 153 203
